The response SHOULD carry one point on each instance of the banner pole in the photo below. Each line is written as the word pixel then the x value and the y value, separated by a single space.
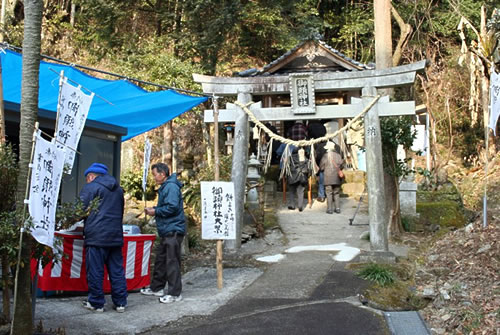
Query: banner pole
pixel 21 233
pixel 218 259
pixel 61 76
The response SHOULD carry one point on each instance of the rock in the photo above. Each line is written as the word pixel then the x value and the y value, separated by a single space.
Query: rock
pixel 469 228
pixel 130 218
pixel 438 331
pixel 429 292
pixel 444 294
pixel 446 286
pixel 446 317
pixel 484 249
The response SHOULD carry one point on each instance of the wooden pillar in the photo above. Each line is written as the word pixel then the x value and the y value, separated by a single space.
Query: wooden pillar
pixel 375 175
pixel 239 168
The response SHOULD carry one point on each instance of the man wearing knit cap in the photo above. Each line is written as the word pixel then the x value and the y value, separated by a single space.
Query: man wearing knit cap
pixel 103 238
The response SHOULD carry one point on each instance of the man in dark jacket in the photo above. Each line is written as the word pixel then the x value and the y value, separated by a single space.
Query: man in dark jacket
pixel 170 223
pixel 103 238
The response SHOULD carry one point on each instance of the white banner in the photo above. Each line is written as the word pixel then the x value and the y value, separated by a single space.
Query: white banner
pixel 420 142
pixel 494 100
pixel 147 156
pixel 72 111
pixel 218 221
pixel 48 162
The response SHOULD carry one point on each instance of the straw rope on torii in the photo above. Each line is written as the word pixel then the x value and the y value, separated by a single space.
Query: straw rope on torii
pixel 301 143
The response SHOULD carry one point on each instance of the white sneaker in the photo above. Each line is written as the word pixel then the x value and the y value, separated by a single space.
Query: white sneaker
pixel 88 306
pixel 149 291
pixel 170 298
pixel 119 309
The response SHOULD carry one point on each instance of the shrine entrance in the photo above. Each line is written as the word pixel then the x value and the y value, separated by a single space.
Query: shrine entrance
pixel 313 82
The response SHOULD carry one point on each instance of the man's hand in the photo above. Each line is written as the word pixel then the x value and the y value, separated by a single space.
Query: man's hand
pixel 149 211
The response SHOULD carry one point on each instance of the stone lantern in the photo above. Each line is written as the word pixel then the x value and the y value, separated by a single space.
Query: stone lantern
pixel 253 177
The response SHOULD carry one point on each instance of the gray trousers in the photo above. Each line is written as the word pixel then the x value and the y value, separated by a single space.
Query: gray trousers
pixel 168 265
pixel 332 196
pixel 296 190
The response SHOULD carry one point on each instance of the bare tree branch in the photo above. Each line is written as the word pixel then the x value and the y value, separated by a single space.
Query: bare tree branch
pixel 406 31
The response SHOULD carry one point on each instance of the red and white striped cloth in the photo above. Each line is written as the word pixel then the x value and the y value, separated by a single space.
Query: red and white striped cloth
pixel 69 273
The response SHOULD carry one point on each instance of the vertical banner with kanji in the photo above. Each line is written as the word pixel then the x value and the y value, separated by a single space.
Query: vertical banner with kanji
pixel 218 220
pixel 147 156
pixel 494 100
pixel 48 161
pixel 72 111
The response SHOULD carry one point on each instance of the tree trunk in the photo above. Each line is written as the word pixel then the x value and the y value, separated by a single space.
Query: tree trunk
pixel 383 33
pixel 33 9
pixel 406 31
pixel 5 288
pixel 167 144
pixel 2 110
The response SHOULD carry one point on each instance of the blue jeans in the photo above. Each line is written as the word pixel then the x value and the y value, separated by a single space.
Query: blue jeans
pixel 95 259
pixel 321 185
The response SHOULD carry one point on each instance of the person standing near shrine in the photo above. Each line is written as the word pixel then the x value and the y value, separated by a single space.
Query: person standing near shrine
pixel 171 226
pixel 103 238
pixel 331 163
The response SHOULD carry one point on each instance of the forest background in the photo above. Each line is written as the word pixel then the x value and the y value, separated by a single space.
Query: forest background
pixel 165 42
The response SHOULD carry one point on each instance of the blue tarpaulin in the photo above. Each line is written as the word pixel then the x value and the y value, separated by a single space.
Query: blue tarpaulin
pixel 132 107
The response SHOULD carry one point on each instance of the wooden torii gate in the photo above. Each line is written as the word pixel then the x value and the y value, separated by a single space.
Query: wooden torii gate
pixel 368 81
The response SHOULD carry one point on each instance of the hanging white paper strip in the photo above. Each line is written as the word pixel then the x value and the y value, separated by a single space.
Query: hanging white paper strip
pixel 147 156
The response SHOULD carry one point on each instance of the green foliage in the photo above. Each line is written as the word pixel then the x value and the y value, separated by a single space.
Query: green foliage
pixel 354 31
pixel 379 274
pixel 396 131
pixel 192 192
pixel 8 177
pixel 9 235
pixel 131 181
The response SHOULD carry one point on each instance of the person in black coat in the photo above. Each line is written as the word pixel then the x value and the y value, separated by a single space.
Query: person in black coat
pixel 317 129
pixel 103 238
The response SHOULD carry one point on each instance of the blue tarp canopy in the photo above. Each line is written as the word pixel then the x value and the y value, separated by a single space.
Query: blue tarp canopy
pixel 132 107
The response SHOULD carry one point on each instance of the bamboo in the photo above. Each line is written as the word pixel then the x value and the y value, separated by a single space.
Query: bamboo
pixel 21 233
pixel 218 260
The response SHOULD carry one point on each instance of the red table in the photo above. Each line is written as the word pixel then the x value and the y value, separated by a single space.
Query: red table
pixel 69 273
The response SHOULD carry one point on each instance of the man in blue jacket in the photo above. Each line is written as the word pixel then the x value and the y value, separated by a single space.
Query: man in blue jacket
pixel 170 223
pixel 103 238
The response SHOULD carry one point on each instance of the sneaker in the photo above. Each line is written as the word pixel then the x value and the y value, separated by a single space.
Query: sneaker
pixel 149 291
pixel 330 211
pixel 337 210
pixel 170 298
pixel 119 309
pixel 321 199
pixel 88 306
pixel 291 208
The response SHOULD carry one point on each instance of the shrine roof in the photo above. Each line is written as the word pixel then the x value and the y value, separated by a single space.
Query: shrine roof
pixel 330 59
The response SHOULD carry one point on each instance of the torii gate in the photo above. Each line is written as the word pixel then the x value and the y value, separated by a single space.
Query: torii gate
pixel 368 81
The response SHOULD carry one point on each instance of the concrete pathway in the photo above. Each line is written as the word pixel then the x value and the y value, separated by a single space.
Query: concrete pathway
pixel 307 292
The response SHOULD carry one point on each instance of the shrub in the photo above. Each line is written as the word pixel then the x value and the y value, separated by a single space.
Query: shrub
pixel 131 181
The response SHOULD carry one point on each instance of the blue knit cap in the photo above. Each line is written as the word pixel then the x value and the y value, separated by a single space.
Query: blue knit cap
pixel 96 168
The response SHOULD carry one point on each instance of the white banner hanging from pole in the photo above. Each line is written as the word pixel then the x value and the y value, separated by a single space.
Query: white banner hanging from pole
pixel 147 156
pixel 72 111
pixel 218 221
pixel 48 162
pixel 494 100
